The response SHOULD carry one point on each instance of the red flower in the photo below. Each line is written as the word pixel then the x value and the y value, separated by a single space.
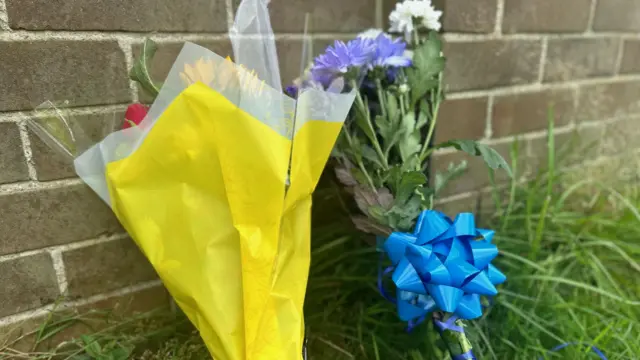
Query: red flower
pixel 134 115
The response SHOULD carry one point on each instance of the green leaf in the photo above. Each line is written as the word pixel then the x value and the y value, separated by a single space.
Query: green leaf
pixel 428 63
pixel 411 163
pixel 427 51
pixel 453 171
pixel 359 175
pixel 402 216
pixel 385 127
pixel 141 70
pixel 490 156
pixel 410 143
pixel 494 159
pixel 390 132
pixel 412 207
pixel 370 154
pixel 420 87
pixel 362 121
pixel 427 195
pixel 468 146
pixel 377 212
pixel 423 116
pixel 121 353
pixel 392 177
pixel 356 149
pixel 91 346
pixel 393 111
pixel 409 183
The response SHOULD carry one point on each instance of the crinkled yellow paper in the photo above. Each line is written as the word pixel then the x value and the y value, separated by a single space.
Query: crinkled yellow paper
pixel 204 198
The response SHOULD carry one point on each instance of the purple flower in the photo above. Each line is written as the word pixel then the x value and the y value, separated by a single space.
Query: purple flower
pixel 292 91
pixel 341 57
pixel 389 52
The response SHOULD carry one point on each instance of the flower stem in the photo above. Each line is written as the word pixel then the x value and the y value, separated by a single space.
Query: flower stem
pixel 452 333
pixel 374 140
pixel 345 131
pixel 381 98
pixel 416 38
pixel 435 101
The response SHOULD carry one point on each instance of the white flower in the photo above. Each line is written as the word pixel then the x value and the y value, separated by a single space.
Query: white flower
pixel 371 34
pixel 402 18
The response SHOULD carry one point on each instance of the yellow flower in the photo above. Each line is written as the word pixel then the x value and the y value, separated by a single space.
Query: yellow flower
pixel 202 71
pixel 223 75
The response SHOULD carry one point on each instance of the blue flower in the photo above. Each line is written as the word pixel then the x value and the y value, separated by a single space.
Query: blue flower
pixel 389 52
pixel 292 91
pixel 342 57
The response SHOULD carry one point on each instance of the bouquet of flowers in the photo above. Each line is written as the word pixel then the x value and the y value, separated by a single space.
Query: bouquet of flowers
pixel 214 183
pixel 440 267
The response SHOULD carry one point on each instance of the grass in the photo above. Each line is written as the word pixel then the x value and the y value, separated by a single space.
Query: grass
pixel 569 247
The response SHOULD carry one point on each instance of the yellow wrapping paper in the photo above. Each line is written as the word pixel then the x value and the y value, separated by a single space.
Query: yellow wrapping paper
pixel 204 197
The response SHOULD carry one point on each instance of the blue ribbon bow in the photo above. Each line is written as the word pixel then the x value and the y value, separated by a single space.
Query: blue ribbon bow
pixel 443 265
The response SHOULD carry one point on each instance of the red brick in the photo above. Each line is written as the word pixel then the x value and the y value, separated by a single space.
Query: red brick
pixel 462 119
pixel 525 112
pixel 570 59
pixel 492 63
pixel 113 265
pixel 544 16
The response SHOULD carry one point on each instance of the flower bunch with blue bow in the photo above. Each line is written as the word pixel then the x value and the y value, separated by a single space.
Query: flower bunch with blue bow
pixel 442 268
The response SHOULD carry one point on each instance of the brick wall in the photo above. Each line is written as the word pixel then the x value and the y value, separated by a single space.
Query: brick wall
pixel 508 59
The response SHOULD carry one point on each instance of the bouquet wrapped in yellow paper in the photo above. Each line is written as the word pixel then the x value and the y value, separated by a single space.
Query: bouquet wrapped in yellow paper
pixel 215 184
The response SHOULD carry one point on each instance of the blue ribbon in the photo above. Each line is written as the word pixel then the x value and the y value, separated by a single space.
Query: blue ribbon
pixel 466 356
pixel 593 348
pixel 443 265
pixel 450 324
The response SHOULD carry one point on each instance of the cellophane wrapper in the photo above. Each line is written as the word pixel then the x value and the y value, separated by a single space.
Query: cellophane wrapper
pixel 215 188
